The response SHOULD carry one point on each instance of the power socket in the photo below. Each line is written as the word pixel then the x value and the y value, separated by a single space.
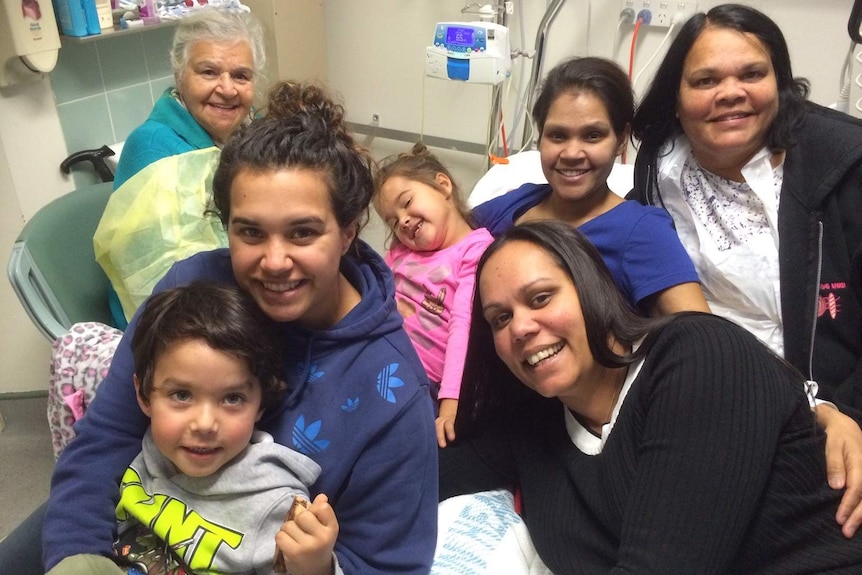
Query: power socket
pixel 659 13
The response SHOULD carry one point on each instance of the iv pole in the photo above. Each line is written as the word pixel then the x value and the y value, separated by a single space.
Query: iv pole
pixel 500 17
pixel 538 60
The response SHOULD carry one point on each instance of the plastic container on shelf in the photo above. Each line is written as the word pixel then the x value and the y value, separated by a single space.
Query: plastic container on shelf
pixel 77 17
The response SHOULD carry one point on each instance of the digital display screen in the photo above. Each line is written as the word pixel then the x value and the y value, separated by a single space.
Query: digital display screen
pixel 459 36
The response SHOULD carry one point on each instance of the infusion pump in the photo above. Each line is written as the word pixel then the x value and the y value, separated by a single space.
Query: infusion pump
pixel 470 51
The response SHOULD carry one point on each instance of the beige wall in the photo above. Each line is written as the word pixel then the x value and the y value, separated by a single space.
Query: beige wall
pixel 31 148
pixel 375 54
pixel 294 32
pixel 375 60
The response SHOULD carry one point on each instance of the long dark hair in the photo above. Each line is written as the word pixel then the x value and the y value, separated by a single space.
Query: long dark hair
pixel 490 393
pixel 655 122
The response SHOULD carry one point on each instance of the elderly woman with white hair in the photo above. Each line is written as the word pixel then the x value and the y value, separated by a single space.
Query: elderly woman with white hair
pixel 218 59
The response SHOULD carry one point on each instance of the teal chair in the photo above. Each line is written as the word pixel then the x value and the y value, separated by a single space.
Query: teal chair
pixel 53 268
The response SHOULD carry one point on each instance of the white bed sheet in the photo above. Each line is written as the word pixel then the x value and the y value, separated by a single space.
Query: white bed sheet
pixel 480 534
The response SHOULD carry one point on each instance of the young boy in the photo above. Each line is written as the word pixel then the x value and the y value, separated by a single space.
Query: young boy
pixel 208 492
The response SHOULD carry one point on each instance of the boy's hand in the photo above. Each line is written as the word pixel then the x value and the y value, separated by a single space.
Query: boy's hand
pixel 307 541
pixel 445 422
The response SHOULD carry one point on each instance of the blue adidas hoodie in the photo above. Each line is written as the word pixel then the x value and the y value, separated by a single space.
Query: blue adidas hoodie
pixel 360 408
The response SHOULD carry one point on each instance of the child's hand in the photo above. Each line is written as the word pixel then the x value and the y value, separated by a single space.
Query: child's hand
pixel 445 422
pixel 307 541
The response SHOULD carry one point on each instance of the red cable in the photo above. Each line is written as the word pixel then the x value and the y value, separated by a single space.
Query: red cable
pixel 505 159
pixel 632 52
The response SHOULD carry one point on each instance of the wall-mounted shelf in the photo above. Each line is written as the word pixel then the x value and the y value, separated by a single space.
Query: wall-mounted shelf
pixel 116 30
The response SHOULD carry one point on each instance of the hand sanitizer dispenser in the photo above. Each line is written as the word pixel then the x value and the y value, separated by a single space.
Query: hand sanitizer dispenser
pixel 29 40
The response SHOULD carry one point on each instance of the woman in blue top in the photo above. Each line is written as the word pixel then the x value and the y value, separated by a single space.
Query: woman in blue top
pixel 584 115
pixel 292 190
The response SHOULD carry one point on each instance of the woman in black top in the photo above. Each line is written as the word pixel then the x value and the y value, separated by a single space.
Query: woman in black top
pixel 671 445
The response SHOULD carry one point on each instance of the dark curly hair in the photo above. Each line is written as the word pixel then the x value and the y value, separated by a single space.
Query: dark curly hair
pixel 223 316
pixel 303 128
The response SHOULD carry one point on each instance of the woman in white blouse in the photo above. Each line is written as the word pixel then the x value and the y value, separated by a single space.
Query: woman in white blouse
pixel 765 190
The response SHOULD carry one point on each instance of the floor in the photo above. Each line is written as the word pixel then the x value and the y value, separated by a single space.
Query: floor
pixel 26 459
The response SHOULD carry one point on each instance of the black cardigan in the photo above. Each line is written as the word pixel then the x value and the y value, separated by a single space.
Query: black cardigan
pixel 714 465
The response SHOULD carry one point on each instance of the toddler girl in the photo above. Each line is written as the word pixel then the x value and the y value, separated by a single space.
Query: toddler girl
pixel 433 256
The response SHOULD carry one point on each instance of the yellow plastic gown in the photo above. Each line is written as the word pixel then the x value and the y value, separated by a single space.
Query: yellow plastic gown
pixel 158 217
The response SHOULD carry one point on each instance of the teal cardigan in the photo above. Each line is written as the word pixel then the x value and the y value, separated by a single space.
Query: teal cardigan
pixel 169 130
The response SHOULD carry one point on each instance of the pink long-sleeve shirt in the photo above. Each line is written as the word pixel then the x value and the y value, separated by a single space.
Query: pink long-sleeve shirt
pixel 434 291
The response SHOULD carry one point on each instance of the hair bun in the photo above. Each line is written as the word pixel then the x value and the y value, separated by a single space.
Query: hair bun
pixel 289 98
pixel 420 149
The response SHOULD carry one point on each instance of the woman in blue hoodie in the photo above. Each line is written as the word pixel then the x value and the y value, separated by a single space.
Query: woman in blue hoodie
pixel 292 191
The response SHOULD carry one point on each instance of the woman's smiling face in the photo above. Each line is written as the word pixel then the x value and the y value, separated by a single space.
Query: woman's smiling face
pixel 578 146
pixel 535 315
pixel 286 245
pixel 217 86
pixel 728 98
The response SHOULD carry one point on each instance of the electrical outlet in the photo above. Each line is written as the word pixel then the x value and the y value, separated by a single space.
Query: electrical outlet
pixel 659 13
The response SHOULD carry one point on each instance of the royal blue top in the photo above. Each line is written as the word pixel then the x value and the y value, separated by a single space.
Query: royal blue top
pixel 638 243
